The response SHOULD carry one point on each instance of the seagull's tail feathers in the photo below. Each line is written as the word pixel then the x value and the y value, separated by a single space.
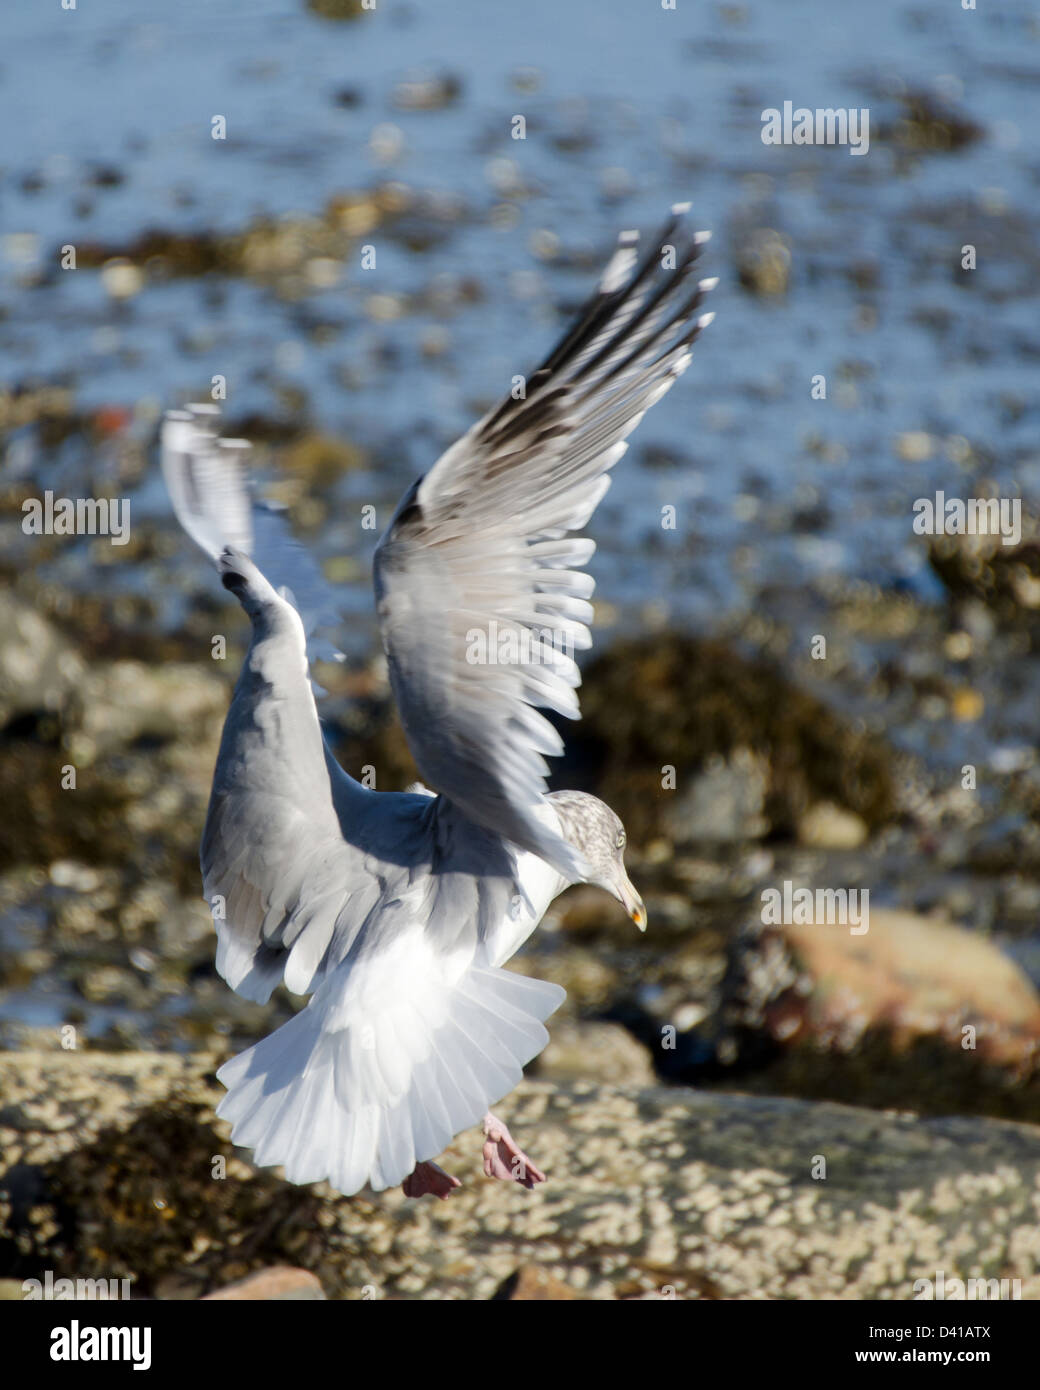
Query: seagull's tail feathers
pixel 383 1068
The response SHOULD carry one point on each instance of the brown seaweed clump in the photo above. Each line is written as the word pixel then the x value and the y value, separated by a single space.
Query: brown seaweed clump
pixel 1006 578
pixel 674 701
pixel 930 125
pixel 163 1203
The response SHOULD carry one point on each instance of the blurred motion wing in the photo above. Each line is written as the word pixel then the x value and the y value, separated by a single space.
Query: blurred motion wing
pixel 209 485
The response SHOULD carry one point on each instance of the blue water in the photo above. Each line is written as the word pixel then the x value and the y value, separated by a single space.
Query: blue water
pixel 672 100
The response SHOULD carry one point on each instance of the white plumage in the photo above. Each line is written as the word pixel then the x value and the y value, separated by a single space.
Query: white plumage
pixel 397 911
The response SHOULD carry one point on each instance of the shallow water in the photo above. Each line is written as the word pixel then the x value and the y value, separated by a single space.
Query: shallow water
pixel 664 104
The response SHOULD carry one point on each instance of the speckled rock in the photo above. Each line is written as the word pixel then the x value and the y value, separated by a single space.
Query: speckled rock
pixel 116 1165
pixel 271 1285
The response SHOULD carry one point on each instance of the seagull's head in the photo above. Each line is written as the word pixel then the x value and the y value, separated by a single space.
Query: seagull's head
pixel 592 827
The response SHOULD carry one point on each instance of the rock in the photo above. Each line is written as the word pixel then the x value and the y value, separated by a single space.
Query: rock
pixel 826 826
pixel 725 802
pixel 39 668
pixel 115 1166
pixel 81 878
pixel 531 1284
pixel 916 1012
pixel 966 704
pixel 121 278
pixel 915 446
pixel 595 1052
pixel 427 91
pixel 763 258
pixel 918 976
pixel 102 757
pixel 108 984
pixel 123 701
pixel 279 1283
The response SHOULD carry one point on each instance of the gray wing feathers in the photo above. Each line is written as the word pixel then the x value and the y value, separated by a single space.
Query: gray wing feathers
pixel 481 596
pixel 280 876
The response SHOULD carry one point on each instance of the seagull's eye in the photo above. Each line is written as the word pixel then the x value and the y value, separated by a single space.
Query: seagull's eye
pixel 619 843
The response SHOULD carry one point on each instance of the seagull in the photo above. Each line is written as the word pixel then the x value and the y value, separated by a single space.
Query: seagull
pixel 397 911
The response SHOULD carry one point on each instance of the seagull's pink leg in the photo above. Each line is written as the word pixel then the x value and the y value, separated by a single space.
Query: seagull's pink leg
pixel 503 1158
pixel 427 1177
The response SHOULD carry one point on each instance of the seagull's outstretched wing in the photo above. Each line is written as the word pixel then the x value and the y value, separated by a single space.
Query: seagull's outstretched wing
pixel 209 485
pixel 290 892
pixel 481 595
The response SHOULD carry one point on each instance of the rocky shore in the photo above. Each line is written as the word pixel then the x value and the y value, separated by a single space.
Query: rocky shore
pixel 114 1167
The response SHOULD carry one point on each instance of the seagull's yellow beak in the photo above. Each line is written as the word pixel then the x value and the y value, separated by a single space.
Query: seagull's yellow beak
pixel 631 901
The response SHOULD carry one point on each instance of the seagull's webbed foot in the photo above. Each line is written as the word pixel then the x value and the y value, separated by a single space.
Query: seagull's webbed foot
pixel 429 1178
pixel 503 1158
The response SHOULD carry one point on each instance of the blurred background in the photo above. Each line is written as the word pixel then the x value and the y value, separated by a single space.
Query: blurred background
pixel 241 258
